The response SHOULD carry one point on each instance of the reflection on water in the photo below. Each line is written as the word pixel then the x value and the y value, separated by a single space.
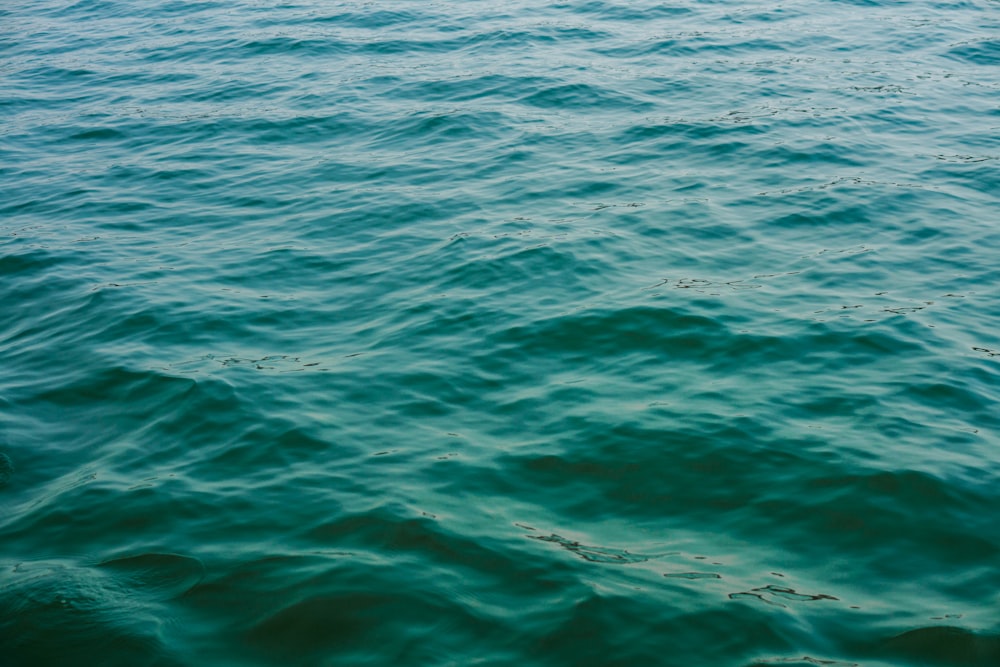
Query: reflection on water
pixel 592 333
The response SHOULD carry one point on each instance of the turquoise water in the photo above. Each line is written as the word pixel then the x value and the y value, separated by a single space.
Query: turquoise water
pixel 524 333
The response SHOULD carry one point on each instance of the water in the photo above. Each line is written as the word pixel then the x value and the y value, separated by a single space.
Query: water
pixel 439 333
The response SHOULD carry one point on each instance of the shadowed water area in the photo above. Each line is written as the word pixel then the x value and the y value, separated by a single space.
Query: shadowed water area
pixel 525 333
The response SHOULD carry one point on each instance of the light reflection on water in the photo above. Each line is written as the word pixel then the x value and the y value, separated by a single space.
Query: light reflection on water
pixel 432 334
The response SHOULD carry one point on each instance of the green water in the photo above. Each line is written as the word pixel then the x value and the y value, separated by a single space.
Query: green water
pixel 528 333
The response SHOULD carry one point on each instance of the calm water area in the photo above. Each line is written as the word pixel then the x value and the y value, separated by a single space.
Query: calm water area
pixel 534 333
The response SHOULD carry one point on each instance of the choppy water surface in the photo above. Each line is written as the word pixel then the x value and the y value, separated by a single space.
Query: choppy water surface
pixel 534 333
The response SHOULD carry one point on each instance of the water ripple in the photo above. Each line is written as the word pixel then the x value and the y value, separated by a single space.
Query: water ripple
pixel 551 334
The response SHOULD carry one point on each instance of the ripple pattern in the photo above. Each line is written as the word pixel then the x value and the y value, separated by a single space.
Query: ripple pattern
pixel 593 333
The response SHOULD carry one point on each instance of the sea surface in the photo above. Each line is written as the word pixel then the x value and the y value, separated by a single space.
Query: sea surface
pixel 500 333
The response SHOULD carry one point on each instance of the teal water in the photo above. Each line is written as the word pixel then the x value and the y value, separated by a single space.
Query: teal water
pixel 524 333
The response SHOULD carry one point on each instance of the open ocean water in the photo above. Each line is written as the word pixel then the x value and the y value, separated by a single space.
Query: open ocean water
pixel 500 333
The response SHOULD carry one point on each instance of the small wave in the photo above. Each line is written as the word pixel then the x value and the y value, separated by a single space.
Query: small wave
pixel 116 604
pixel 982 52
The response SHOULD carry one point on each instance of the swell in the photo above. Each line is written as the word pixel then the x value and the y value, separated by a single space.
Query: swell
pixel 576 334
